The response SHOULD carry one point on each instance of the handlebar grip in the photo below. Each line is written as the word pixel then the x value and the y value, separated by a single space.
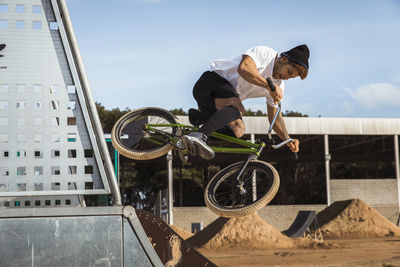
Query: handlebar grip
pixel 271 84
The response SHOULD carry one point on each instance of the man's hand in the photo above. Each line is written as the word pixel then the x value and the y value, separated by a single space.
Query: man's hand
pixel 294 145
pixel 277 95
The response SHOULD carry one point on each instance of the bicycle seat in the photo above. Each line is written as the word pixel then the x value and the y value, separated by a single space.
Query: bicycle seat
pixel 196 117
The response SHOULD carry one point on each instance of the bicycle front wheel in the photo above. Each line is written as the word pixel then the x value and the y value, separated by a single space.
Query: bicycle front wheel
pixel 260 183
pixel 144 133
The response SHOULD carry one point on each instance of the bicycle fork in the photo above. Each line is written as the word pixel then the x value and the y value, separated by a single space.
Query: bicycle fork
pixel 240 183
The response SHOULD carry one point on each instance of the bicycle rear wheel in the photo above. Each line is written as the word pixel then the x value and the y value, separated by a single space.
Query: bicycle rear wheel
pixel 144 133
pixel 260 181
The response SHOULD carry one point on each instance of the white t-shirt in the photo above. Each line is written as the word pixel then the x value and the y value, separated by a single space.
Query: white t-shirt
pixel 264 57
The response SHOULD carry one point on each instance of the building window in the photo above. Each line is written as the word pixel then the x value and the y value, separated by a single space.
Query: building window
pixel 55 186
pixel 55 153
pixel 53 26
pixel 55 170
pixel 37 88
pixel 37 25
pixel 71 153
pixel 71 137
pixel 21 88
pixel 38 154
pixel 54 88
pixel 55 121
pixel 20 105
pixel 71 89
pixel 54 104
pixel 88 153
pixel 38 186
pixel 3 8
pixel 72 169
pixel 71 105
pixel 21 170
pixel 37 105
pixel 3 24
pixel 21 154
pixel 71 121
pixel 38 170
pixel 37 9
pixel 20 9
pixel 20 24
pixel 89 169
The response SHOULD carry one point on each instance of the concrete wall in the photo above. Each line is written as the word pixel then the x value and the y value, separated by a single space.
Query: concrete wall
pixel 279 216
pixel 374 192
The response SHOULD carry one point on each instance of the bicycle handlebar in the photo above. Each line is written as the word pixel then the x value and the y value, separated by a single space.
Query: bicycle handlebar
pixel 284 142
pixel 271 84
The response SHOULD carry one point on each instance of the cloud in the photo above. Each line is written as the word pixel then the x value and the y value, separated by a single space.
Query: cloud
pixel 376 95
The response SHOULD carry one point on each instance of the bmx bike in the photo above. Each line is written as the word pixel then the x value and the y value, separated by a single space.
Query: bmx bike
pixel 237 190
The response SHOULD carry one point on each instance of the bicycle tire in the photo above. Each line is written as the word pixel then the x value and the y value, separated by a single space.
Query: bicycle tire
pixel 265 172
pixel 139 145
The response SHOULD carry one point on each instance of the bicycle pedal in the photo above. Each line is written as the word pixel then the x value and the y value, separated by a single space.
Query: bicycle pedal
pixel 180 145
pixel 188 146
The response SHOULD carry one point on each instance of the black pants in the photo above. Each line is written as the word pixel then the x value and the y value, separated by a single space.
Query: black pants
pixel 207 88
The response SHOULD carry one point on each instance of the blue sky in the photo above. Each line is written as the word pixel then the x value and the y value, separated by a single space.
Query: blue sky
pixel 151 52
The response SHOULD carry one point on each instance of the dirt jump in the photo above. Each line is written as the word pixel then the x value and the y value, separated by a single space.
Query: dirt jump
pixel 354 234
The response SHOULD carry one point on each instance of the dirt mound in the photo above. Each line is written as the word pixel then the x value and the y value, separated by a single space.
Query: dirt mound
pixel 181 232
pixel 354 219
pixel 250 232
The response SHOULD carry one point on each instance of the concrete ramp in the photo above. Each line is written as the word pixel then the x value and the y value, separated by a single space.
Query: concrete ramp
pixel 93 236
pixel 300 224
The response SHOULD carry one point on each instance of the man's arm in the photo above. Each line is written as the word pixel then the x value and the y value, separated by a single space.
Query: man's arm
pixel 280 129
pixel 248 70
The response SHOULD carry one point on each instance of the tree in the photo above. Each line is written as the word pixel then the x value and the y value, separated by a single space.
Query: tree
pixel 109 117
pixel 291 113
pixel 178 112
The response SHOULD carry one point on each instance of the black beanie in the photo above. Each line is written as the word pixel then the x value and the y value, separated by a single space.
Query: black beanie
pixel 299 55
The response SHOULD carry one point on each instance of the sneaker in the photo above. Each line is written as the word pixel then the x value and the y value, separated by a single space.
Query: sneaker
pixel 199 140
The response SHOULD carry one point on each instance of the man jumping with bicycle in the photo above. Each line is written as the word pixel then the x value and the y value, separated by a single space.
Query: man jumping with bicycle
pixel 219 92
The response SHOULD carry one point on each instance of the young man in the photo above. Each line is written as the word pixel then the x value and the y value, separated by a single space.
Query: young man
pixel 219 92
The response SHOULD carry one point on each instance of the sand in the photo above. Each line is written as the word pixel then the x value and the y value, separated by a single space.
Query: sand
pixel 181 232
pixel 248 232
pixel 378 252
pixel 343 219
pixel 354 219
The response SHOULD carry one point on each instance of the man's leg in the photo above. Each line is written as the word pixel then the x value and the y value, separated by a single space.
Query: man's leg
pixel 216 97
pixel 237 127
pixel 219 119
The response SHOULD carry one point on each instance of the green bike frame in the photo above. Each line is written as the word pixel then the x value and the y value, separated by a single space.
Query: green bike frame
pixel 248 147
